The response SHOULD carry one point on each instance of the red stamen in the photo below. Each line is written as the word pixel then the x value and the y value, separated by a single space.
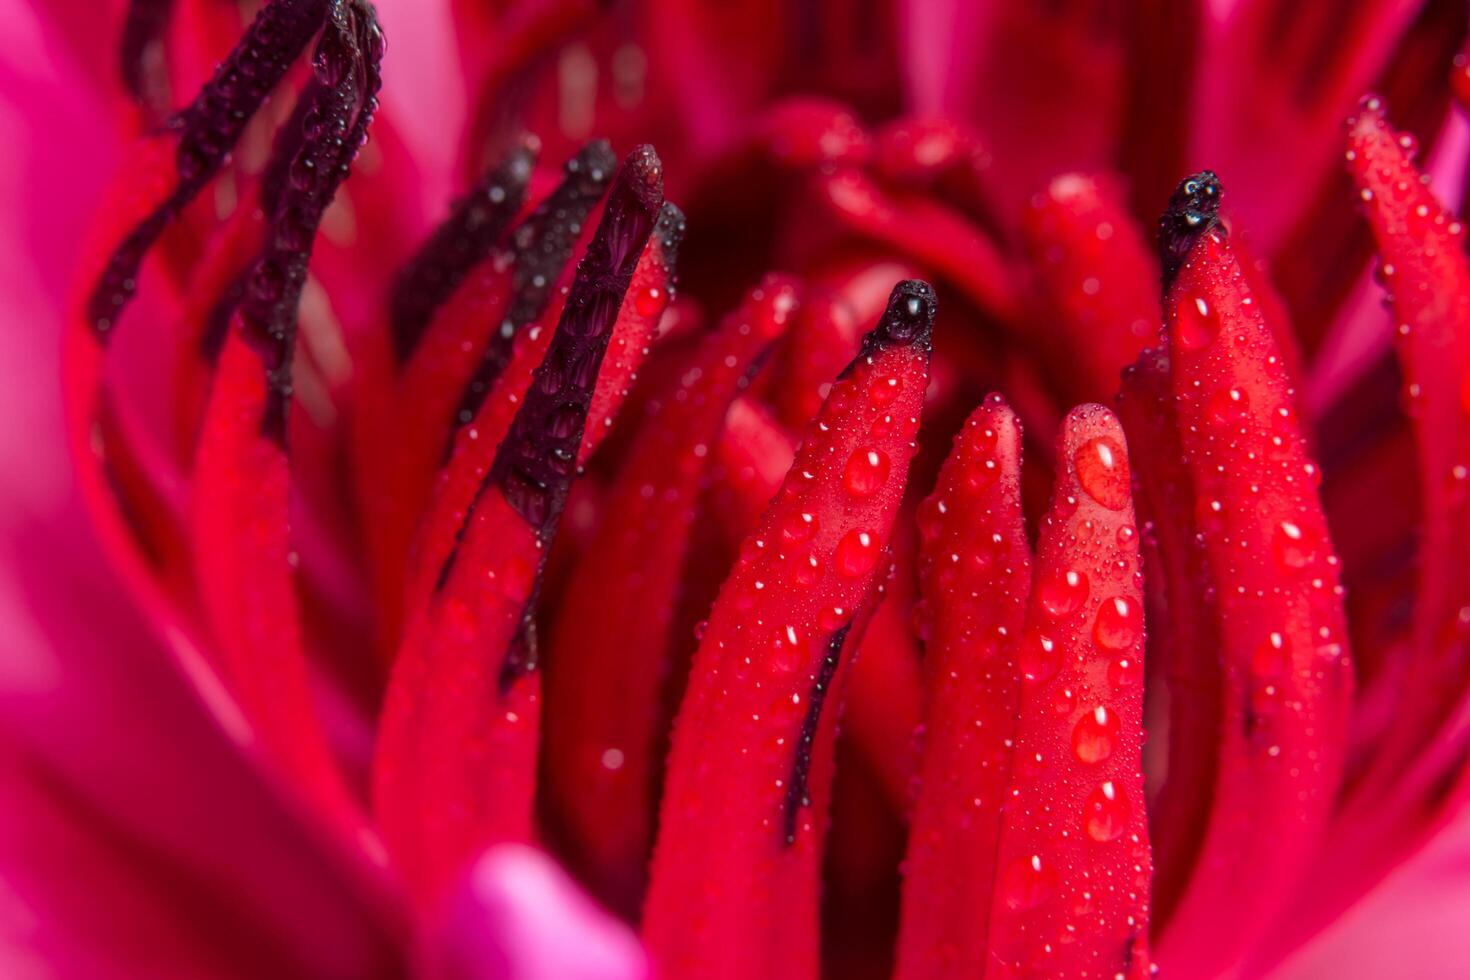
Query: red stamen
pixel 976 575
pixel 1073 868
pixel 1287 682
pixel 612 649
pixel 735 873
pixel 456 758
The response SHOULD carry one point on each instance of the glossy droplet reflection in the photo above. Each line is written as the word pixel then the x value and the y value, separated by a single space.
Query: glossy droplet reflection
pixel 1105 814
pixel 1102 469
pixel 1061 592
pixel 866 472
pixel 856 553
pixel 1094 735
pixel 1040 657
pixel 1118 624
pixel 1197 325
pixel 1029 882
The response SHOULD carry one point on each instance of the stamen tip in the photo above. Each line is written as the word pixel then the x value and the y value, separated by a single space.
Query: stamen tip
pixel 1193 210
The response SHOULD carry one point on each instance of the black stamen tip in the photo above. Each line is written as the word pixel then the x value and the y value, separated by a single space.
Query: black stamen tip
pixel 474 227
pixel 670 235
pixel 646 174
pixel 908 320
pixel 1193 210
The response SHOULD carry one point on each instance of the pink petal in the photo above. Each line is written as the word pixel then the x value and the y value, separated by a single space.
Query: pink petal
pixel 517 916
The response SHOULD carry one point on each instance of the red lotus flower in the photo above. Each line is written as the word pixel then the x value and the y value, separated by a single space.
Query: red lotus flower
pixel 533 543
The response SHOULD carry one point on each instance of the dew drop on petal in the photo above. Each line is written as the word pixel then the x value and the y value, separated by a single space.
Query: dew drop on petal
pixel 1094 735
pixel 1293 546
pixel 1272 657
pixel 1119 621
pixel 1060 592
pixel 1102 469
pixel 866 472
pixel 1197 325
pixel 798 527
pixel 650 302
pixel 1040 657
pixel 1106 812
pixel 883 390
pixel 1029 882
pixel 856 553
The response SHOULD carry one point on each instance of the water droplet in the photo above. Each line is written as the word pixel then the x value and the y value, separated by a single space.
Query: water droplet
pixel 883 390
pixel 1061 592
pixel 798 527
pixel 1102 469
pixel 1125 672
pixel 866 472
pixel 1197 325
pixel 806 570
pixel 856 553
pixel 1040 657
pixel 1106 812
pixel 787 648
pixel 1094 734
pixel 1119 621
pixel 1293 546
pixel 1230 407
pixel 931 517
pixel 1272 657
pixel 650 302
pixel 1029 882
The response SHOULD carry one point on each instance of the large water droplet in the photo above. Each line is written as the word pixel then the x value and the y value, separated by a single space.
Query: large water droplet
pixel 1230 407
pixel 1102 469
pixel 1029 882
pixel 1293 545
pixel 856 553
pixel 882 390
pixel 1040 657
pixel 798 527
pixel 650 302
pixel 1094 735
pixel 1060 592
pixel 866 472
pixel 1106 812
pixel 1197 325
pixel 1119 621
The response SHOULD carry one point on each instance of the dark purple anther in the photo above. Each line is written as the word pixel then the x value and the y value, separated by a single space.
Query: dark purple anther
pixel 524 467
pixel 333 128
pixel 542 247
pixel 535 463
pixel 1194 208
pixel 208 130
pixel 908 320
pixel 475 226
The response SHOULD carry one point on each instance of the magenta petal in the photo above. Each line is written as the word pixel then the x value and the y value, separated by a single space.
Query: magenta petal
pixel 517 916
pixel 1416 923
